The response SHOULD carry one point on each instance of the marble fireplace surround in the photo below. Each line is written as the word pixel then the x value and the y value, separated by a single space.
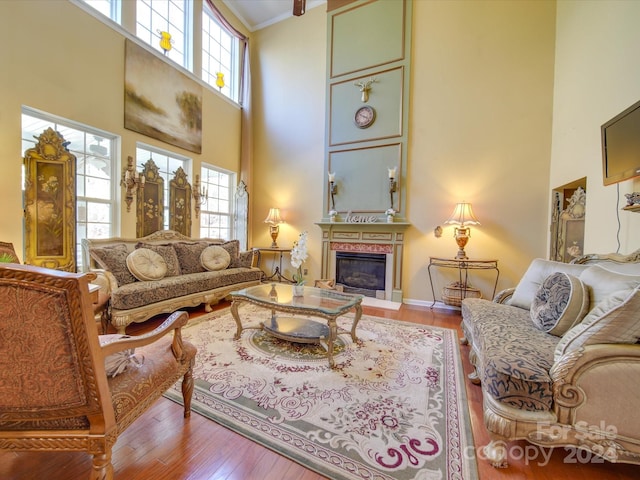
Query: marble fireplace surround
pixel 376 237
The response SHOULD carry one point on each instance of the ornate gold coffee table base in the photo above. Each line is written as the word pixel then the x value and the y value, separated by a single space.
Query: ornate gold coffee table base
pixel 316 302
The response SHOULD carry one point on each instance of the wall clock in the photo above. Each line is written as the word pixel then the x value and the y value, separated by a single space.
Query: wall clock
pixel 365 116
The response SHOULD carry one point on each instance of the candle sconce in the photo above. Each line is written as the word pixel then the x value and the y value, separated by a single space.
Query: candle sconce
pixel 393 185
pixel 131 181
pixel 200 195
pixel 333 190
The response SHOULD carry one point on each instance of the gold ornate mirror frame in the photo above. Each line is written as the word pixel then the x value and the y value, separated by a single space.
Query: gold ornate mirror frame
pixel 50 203
pixel 150 201
pixel 180 203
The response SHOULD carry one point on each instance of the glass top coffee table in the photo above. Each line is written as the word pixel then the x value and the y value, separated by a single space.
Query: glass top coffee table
pixel 315 302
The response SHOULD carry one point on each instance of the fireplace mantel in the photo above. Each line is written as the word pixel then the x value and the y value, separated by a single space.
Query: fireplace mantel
pixel 374 237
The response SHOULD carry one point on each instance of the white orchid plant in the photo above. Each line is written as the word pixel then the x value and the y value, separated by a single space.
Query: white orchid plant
pixel 390 211
pixel 298 256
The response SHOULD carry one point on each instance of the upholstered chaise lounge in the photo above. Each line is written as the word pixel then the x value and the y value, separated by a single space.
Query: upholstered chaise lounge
pixel 558 357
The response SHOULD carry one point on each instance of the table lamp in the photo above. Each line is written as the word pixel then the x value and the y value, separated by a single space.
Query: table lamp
pixel 462 215
pixel 274 220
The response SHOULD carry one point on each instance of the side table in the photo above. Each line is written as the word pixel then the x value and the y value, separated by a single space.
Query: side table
pixel 277 252
pixel 463 265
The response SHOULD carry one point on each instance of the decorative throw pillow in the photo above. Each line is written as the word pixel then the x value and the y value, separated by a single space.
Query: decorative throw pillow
pixel 116 363
pixel 168 254
pixel 560 302
pixel 245 259
pixel 537 272
pixel 114 259
pixel 603 282
pixel 146 265
pixel 189 256
pixel 613 320
pixel 233 247
pixel 214 258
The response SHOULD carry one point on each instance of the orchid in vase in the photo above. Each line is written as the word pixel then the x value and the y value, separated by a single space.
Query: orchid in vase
pixel 298 256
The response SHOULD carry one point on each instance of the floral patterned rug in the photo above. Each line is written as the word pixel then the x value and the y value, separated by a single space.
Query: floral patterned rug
pixel 394 407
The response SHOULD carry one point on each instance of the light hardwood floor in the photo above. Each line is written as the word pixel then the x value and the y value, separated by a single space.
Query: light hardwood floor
pixel 161 445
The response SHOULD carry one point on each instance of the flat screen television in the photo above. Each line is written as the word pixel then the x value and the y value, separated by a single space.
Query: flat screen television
pixel 621 146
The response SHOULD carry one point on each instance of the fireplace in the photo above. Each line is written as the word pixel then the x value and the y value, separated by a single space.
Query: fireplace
pixel 361 273
pixel 381 243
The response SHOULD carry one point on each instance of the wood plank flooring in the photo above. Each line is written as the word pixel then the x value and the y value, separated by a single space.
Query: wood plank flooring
pixel 161 445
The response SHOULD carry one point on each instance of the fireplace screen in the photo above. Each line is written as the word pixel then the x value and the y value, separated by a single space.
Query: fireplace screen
pixel 362 273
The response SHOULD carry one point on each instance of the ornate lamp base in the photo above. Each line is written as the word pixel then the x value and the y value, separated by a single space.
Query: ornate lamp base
pixel 274 230
pixel 462 237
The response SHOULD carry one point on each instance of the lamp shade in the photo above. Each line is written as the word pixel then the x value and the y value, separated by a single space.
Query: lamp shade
pixel 274 217
pixel 462 215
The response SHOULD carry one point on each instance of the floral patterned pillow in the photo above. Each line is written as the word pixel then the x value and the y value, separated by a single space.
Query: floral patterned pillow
pixel 189 256
pixel 114 260
pixel 561 302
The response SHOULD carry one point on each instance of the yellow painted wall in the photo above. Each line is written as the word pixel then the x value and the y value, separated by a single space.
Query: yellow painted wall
pixel 65 62
pixel 597 77
pixel 289 104
pixel 479 130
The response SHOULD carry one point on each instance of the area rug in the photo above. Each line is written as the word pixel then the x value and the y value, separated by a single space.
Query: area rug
pixel 395 406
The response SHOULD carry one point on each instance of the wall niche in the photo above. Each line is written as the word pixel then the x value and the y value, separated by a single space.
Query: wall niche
pixel 567 221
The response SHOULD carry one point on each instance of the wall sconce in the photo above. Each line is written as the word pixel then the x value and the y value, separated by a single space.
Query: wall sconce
pixel 200 195
pixel 131 180
pixel 220 80
pixel 393 184
pixel 333 190
pixel 165 41
pixel 274 220
pixel 462 215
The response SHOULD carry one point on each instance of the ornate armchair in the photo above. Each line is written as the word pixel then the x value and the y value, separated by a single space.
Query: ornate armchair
pixel 55 393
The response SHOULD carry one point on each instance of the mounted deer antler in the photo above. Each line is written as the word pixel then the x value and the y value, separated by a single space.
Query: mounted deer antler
pixel 365 86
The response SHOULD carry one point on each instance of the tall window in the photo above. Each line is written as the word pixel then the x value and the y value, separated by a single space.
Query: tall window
pixel 216 215
pixel 96 173
pixel 220 54
pixel 109 8
pixel 167 163
pixel 156 18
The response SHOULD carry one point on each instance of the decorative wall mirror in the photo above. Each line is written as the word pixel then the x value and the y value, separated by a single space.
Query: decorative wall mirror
pixel 150 201
pixel 180 203
pixel 241 219
pixel 50 203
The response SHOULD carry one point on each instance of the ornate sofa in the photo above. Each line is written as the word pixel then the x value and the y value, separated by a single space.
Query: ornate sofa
pixel 558 357
pixel 139 291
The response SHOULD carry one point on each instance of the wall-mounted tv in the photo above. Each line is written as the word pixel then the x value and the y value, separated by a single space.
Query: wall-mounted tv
pixel 621 146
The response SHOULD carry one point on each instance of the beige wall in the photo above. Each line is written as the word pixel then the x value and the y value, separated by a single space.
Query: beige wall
pixel 65 62
pixel 597 77
pixel 480 126
pixel 288 75
pixel 480 131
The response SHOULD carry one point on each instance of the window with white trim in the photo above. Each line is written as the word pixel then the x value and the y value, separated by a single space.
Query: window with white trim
pixel 216 214
pixel 220 55
pixel 109 8
pixel 96 172
pixel 167 163
pixel 157 18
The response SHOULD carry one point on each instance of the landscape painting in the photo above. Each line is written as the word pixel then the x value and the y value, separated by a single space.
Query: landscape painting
pixel 160 101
